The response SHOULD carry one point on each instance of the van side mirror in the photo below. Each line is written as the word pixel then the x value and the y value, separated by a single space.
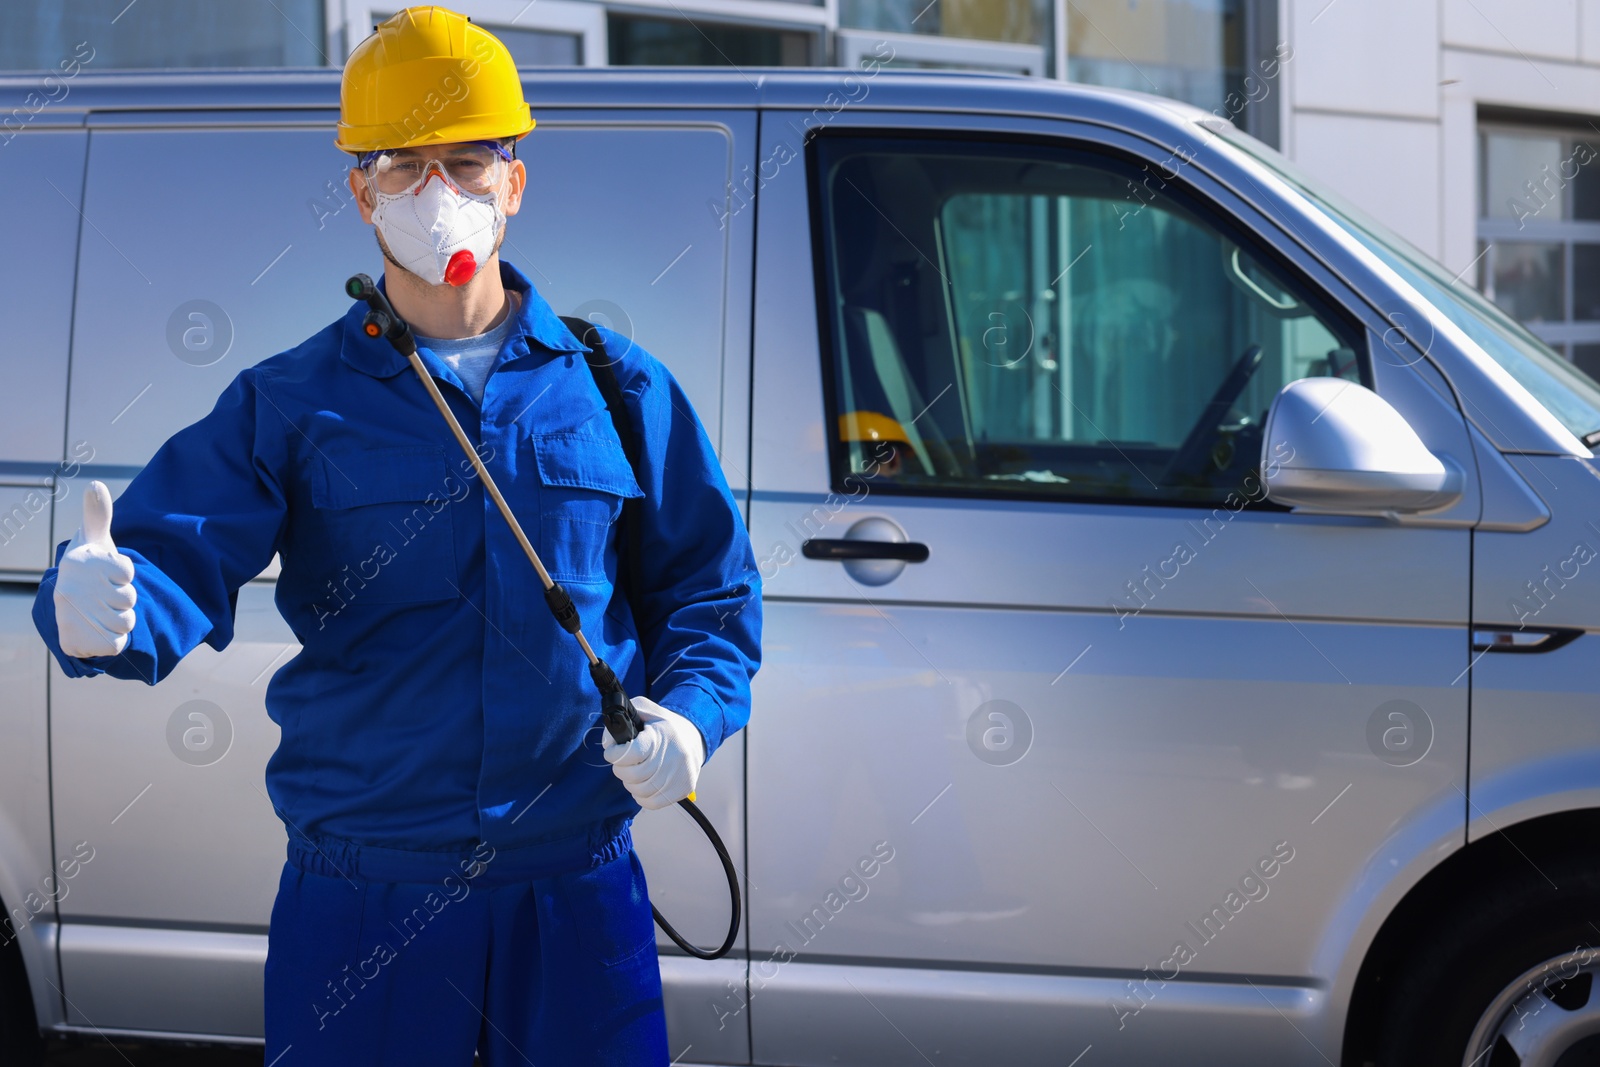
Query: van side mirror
pixel 1331 445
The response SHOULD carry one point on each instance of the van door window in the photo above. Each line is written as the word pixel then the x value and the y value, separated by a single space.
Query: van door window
pixel 1036 320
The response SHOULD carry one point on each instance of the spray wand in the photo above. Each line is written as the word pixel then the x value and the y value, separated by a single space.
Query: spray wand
pixel 617 712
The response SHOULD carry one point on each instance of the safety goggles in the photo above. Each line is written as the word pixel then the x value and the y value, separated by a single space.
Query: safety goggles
pixel 474 167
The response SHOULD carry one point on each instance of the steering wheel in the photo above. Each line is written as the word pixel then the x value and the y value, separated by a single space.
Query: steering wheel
pixel 1190 458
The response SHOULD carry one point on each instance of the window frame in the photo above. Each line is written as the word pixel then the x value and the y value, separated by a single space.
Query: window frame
pixel 1189 196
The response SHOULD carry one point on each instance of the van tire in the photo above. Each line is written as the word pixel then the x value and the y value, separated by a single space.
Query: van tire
pixel 20 1042
pixel 1476 950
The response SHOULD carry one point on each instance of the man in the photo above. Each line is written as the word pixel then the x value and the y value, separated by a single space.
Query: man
pixel 460 873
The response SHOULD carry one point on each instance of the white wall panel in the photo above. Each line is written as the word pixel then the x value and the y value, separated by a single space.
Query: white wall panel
pixel 1389 167
pixel 1543 28
pixel 1364 55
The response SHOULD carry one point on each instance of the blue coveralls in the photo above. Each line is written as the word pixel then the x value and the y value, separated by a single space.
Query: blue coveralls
pixel 460 871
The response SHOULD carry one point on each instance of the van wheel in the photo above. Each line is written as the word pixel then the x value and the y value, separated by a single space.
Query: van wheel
pixel 20 1043
pixel 1510 978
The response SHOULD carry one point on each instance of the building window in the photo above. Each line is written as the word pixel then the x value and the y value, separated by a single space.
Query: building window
pixel 1539 234
pixel 1221 55
pixel 163 33
pixel 915 51
pixel 1015 36
pixel 693 41
pixel 540 48
pixel 528 47
pixel 1186 50
pixel 1017 21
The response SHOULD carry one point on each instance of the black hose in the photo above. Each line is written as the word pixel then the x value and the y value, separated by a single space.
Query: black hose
pixel 733 891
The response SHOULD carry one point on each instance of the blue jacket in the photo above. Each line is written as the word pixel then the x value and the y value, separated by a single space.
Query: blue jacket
pixel 434 699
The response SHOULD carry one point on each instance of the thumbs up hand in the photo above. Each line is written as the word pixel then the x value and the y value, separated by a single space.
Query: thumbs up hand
pixel 94 585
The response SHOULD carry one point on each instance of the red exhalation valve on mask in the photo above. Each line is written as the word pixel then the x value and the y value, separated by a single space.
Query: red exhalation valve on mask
pixel 462 266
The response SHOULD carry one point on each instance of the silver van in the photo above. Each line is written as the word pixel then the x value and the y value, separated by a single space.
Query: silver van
pixel 1178 604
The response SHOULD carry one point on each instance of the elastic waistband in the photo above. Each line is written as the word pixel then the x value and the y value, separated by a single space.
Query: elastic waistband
pixel 485 863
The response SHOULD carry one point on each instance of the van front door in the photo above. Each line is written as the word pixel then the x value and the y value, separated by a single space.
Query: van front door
pixel 1065 736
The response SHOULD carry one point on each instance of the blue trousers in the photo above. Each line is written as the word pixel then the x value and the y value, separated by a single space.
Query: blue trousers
pixel 558 969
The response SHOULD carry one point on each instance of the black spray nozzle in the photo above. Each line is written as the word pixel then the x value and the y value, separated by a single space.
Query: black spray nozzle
pixel 381 320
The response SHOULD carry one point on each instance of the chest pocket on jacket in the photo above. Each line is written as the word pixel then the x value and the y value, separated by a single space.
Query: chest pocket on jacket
pixel 584 477
pixel 382 525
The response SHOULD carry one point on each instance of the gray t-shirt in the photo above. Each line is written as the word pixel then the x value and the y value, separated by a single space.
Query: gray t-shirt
pixel 471 357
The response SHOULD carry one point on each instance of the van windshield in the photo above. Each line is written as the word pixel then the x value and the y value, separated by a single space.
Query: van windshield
pixel 1567 392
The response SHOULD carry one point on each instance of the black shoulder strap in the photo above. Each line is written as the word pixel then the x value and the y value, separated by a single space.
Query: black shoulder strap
pixel 606 378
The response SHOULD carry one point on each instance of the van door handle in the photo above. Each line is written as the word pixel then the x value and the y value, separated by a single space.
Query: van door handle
pixel 1505 639
pixel 841 549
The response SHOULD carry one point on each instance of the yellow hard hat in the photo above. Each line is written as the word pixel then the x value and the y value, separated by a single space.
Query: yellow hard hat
pixel 428 76
pixel 870 426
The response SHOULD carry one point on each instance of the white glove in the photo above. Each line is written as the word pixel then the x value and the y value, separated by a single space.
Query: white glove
pixel 662 764
pixel 94 585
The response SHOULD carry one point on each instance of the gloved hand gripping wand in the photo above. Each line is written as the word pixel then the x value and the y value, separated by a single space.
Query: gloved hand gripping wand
pixel 621 719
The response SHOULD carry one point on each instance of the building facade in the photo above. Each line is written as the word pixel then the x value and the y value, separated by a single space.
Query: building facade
pixel 1196 50
pixel 1465 125
pixel 1468 126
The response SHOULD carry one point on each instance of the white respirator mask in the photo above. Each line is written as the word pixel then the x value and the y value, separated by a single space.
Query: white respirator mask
pixel 435 228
